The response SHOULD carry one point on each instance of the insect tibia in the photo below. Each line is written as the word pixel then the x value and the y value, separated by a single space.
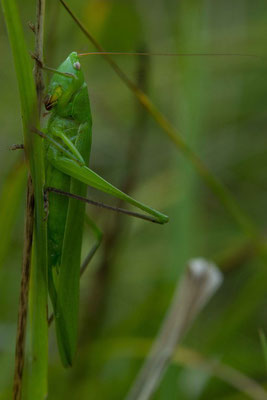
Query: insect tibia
pixel 102 205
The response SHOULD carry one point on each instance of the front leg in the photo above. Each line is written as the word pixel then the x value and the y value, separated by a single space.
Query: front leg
pixel 69 144
pixel 59 147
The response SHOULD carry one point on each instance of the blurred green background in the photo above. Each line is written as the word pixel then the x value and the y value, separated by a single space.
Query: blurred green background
pixel 219 106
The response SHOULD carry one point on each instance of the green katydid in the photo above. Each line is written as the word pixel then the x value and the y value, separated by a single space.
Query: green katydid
pixel 67 147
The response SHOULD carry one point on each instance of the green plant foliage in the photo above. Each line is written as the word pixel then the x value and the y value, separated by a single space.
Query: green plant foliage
pixel 11 195
pixel 218 104
pixel 33 151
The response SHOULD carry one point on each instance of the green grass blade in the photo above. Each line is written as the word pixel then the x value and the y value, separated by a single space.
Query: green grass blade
pixel 264 346
pixel 10 199
pixel 36 373
pixel 34 155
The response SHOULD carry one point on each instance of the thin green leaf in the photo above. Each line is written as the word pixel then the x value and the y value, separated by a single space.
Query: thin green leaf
pixel 36 377
pixel 264 346
pixel 10 199
pixel 34 155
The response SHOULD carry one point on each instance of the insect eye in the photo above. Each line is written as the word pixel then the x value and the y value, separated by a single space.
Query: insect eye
pixel 77 65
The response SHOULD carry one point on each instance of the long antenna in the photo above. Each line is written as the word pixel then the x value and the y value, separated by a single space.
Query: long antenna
pixel 119 53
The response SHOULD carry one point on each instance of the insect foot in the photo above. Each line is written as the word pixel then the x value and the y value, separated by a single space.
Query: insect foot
pixel 38 61
pixel 16 147
pixel 46 204
pixel 32 27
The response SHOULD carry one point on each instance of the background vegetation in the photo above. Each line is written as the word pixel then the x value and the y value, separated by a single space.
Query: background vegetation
pixel 218 104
